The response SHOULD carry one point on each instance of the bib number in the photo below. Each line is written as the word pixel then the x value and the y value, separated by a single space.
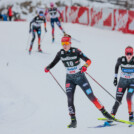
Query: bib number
pixel 70 64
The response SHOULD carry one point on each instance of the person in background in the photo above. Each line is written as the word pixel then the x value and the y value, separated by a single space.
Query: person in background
pixel 10 13
pixel 53 12
pixel 35 26
pixel 1 17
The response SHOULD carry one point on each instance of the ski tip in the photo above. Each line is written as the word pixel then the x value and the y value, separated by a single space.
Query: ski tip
pixel 102 118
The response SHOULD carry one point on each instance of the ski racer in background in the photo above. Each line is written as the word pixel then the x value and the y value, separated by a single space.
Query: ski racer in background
pixel 70 57
pixel 126 81
pixel 53 12
pixel 35 26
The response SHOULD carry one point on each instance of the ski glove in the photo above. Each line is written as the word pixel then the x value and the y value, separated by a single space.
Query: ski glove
pixel 45 30
pixel 83 69
pixel 46 69
pixel 115 81
pixel 61 19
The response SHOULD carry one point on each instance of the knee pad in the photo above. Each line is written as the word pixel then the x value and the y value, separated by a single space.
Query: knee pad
pixel 39 32
pixel 131 90
pixel 88 91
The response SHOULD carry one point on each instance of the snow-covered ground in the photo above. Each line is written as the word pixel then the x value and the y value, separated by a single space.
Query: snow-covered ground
pixel 30 100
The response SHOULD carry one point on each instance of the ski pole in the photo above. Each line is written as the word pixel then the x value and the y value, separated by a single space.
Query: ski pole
pixel 103 88
pixel 72 37
pixel 75 39
pixel 28 41
pixel 57 82
pixel 42 38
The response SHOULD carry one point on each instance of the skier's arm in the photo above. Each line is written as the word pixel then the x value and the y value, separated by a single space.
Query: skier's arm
pixel 46 12
pixel 116 71
pixel 117 66
pixel 54 62
pixel 85 58
pixel 31 23
pixel 45 25
pixel 60 14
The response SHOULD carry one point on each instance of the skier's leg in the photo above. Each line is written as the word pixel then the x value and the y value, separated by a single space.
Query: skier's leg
pixel 59 25
pixel 70 90
pixel 121 88
pixel 129 102
pixel 84 84
pixel 52 25
pixel 39 39
pixel 33 38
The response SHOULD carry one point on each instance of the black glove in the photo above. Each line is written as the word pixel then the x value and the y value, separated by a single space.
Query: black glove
pixel 45 30
pixel 115 81
pixel 30 30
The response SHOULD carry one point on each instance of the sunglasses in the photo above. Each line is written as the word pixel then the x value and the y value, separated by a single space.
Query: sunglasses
pixel 41 15
pixel 129 54
pixel 65 43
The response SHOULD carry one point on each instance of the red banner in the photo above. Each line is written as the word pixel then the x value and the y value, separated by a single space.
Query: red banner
pixel 96 16
pixel 130 24
pixel 78 15
pixel 108 21
pixel 112 19
pixel 120 20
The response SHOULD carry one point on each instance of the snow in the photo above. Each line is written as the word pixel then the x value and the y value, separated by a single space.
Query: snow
pixel 30 100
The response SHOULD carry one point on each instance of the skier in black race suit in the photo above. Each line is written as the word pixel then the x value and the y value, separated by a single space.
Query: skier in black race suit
pixel 70 57
pixel 126 81
pixel 35 26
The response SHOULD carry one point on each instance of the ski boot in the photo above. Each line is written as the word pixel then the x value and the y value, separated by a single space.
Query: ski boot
pixel 30 49
pixel 53 40
pixel 39 49
pixel 73 123
pixel 108 123
pixel 107 115
pixel 131 117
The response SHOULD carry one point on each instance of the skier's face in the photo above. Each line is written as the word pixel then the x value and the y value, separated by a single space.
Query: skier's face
pixel 66 47
pixel 41 15
pixel 129 56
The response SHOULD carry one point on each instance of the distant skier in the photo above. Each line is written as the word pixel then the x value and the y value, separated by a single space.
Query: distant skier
pixel 126 81
pixel 53 12
pixel 70 57
pixel 35 26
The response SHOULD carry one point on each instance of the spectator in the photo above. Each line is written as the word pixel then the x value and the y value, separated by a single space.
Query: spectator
pixel 1 17
pixel 10 13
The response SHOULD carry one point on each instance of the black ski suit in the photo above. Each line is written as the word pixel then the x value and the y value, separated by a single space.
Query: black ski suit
pixel 71 61
pixel 126 82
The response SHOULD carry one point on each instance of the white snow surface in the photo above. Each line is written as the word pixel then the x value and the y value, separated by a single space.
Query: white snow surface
pixel 31 102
